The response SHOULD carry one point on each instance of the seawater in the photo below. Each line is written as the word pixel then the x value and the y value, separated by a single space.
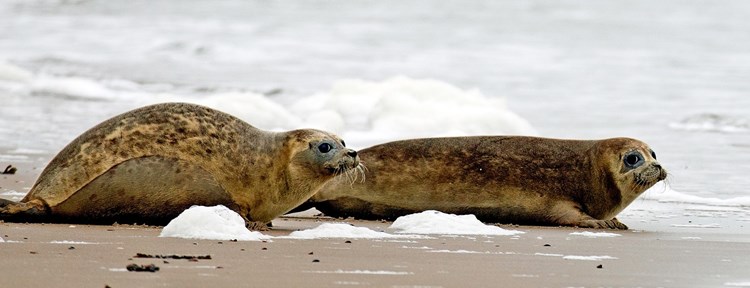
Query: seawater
pixel 672 73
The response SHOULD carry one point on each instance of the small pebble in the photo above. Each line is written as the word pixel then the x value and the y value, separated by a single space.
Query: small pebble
pixel 142 268
pixel 311 253
pixel 316 260
pixel 547 245
pixel 599 266
pixel 348 242
pixel 264 248
pixel 71 248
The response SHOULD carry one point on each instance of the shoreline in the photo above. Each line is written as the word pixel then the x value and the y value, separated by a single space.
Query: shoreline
pixel 669 245
pixel 63 255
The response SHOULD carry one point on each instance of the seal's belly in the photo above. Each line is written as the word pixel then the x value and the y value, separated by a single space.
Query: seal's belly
pixel 150 189
pixel 489 204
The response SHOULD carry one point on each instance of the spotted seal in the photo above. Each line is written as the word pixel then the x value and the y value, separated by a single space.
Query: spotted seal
pixel 150 164
pixel 520 180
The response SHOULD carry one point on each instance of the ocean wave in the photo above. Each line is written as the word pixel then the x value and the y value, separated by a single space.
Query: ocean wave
pixel 368 112
pixel 19 81
pixel 709 122
pixel 364 112
pixel 665 194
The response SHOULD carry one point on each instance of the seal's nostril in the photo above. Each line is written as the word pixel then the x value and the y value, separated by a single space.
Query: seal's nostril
pixel 351 153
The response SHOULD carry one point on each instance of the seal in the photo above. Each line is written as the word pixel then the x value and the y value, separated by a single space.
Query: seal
pixel 518 180
pixel 148 165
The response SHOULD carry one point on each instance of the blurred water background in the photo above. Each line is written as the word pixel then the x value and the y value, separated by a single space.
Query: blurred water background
pixel 675 74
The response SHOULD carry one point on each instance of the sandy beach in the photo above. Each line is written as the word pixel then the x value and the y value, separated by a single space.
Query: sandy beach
pixel 670 73
pixel 680 245
pixel 650 254
pixel 39 255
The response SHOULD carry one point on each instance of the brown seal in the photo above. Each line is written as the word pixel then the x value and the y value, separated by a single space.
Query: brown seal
pixel 150 164
pixel 519 180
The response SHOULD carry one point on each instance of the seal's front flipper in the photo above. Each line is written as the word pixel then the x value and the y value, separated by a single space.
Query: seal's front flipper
pixel 257 226
pixel 603 224
pixel 570 214
pixel 32 211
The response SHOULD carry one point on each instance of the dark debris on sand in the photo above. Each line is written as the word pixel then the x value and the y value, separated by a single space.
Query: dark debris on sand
pixel 10 170
pixel 173 256
pixel 142 268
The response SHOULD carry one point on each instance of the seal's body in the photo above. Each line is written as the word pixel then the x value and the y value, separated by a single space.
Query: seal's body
pixel 150 164
pixel 519 180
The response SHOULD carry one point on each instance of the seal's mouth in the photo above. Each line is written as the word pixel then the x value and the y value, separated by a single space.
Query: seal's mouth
pixel 348 169
pixel 343 166
pixel 650 175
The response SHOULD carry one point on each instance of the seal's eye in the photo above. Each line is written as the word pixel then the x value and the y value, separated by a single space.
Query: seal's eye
pixel 324 148
pixel 343 143
pixel 633 159
pixel 653 154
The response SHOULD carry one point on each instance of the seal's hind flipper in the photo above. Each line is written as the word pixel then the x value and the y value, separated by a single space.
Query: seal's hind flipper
pixel 32 211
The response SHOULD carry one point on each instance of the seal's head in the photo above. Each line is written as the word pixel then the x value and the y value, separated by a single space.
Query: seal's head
pixel 320 154
pixel 633 167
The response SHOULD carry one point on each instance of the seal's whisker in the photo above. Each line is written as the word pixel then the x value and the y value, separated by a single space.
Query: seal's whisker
pixel 361 168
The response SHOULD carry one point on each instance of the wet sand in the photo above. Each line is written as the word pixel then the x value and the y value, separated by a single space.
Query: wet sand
pixel 45 255
pixel 654 253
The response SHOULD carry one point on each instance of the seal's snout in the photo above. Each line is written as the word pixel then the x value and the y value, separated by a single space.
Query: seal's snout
pixel 662 171
pixel 352 153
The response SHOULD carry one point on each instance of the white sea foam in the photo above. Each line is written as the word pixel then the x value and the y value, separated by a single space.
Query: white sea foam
pixel 211 223
pixel 221 223
pixel 367 272
pixel 12 73
pixel 595 234
pixel 664 193
pixel 435 222
pixel 27 151
pixel 403 107
pixel 366 112
pixel 548 254
pixel 588 258
pixel 13 158
pixel 712 225
pixel 712 123
pixel 256 109
pixel 13 194
pixel 341 230
pixel 72 242
pixel 72 87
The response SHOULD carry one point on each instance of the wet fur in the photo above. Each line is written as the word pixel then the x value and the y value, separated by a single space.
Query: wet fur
pixel 520 180
pixel 149 164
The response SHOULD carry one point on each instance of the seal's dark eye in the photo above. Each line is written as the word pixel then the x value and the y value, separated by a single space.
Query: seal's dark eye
pixel 633 159
pixel 343 143
pixel 653 154
pixel 324 148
